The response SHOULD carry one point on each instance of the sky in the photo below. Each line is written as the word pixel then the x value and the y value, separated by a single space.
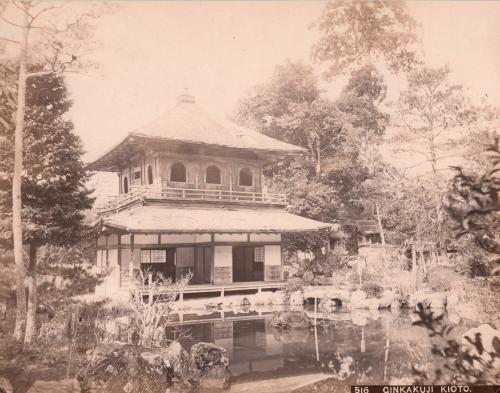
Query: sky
pixel 150 52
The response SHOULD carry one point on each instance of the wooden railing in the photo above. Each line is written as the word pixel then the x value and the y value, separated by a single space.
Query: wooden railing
pixel 190 194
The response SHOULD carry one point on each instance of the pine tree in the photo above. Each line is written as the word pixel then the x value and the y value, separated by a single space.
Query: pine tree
pixel 53 182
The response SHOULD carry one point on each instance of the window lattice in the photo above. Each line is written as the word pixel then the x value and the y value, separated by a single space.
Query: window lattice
pixel 153 256
pixel 259 254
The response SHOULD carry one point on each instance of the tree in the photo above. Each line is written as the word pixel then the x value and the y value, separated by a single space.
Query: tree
pixel 49 42
pixel 473 203
pixel 290 107
pixel 357 33
pixel 431 114
pixel 54 191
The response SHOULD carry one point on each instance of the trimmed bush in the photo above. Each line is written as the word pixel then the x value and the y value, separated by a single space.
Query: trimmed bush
pixel 443 278
pixel 372 289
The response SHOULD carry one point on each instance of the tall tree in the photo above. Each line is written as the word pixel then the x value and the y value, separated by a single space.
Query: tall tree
pixel 53 181
pixel 472 201
pixel 431 113
pixel 49 40
pixel 357 33
pixel 291 107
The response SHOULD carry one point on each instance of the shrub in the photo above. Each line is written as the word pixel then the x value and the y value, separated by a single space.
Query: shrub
pixel 372 288
pixel 403 283
pixel 443 278
pixel 294 284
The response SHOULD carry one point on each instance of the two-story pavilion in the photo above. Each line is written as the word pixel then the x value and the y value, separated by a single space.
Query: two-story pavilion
pixel 192 198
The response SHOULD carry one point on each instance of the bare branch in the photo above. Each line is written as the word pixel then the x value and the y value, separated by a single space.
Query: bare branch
pixel 10 22
pixel 10 40
pixel 42 11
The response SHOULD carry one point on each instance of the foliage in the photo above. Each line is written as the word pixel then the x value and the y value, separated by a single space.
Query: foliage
pixel 152 300
pixel 372 288
pixel 54 178
pixel 461 365
pixel 442 278
pixel 335 135
pixel 354 33
pixel 472 202
pixel 403 284
pixel 431 111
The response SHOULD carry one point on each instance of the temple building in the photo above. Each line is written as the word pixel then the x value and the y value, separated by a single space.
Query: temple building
pixel 192 199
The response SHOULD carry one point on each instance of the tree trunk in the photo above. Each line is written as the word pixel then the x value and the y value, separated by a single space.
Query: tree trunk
pixel 17 229
pixel 318 162
pixel 31 314
pixel 382 239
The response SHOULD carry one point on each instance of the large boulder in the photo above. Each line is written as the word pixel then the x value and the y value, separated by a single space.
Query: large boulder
pixel 483 342
pixel 263 298
pixel 373 304
pixel 279 298
pixel 387 298
pixel 209 366
pixel 429 300
pixel 358 299
pixel 360 317
pixel 115 367
pixel 328 306
pixel 291 320
pixel 314 293
pixel 173 359
pixel 335 293
pixel 296 298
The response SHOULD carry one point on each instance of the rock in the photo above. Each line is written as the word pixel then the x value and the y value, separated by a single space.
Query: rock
pixel 327 306
pixel 452 300
pixel 211 305
pixel 3 310
pixel 5 386
pixel 387 298
pixel 358 299
pixel 290 320
pixel 296 298
pixel 279 297
pixel 314 292
pixel 432 300
pixel 373 304
pixel 208 365
pixel 360 317
pixel 395 305
pixel 63 386
pixel 115 367
pixel 438 300
pixel 292 336
pixel 263 298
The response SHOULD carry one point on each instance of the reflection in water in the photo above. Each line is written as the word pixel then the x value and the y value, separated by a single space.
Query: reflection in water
pixel 373 353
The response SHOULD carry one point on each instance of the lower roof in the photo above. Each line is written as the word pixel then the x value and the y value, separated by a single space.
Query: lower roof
pixel 175 220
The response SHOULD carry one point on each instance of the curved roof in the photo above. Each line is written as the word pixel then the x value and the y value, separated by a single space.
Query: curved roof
pixel 196 220
pixel 187 123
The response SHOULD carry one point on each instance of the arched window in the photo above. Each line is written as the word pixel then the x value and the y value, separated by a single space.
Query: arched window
pixel 178 172
pixel 125 185
pixel 150 175
pixel 213 175
pixel 246 178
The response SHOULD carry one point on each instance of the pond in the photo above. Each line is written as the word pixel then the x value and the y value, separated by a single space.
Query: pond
pixel 361 346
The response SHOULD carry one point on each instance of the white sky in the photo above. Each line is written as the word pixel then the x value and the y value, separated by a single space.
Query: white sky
pixel 151 51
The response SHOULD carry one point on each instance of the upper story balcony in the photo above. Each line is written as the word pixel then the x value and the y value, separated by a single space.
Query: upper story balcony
pixel 188 192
